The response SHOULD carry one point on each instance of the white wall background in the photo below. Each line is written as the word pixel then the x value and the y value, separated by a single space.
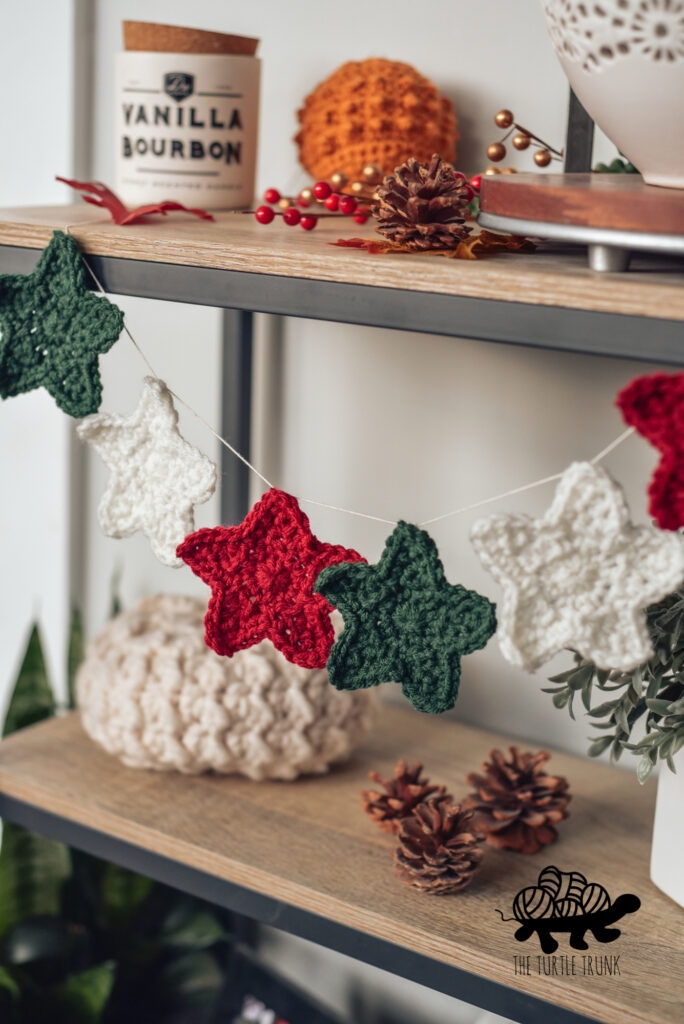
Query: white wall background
pixel 42 61
pixel 397 424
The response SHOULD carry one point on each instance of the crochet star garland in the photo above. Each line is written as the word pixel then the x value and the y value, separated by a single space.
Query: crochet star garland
pixel 404 623
pixel 53 330
pixel 157 477
pixel 261 575
pixel 579 577
pixel 654 405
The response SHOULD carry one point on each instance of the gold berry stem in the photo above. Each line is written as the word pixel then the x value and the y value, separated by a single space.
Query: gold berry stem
pixel 536 138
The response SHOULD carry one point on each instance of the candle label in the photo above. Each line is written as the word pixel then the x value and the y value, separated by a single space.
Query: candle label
pixel 186 128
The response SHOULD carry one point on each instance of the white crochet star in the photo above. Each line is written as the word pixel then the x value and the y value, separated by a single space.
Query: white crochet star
pixel 157 477
pixel 579 577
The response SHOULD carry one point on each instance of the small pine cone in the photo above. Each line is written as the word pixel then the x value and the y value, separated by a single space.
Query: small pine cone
pixel 438 851
pixel 402 793
pixel 517 804
pixel 423 206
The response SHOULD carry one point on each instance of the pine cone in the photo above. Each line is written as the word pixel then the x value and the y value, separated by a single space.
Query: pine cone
pixel 423 206
pixel 517 804
pixel 438 852
pixel 402 793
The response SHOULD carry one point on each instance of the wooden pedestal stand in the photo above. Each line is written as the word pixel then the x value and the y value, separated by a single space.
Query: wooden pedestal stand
pixel 611 213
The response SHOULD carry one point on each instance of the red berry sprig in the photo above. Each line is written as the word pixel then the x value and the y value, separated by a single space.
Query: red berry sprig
pixel 338 204
pixel 264 214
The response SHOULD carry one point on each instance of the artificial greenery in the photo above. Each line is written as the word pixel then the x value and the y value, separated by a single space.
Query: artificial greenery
pixel 83 941
pixel 616 166
pixel 652 694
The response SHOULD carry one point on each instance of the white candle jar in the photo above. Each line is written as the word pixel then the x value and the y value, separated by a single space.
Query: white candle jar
pixel 186 128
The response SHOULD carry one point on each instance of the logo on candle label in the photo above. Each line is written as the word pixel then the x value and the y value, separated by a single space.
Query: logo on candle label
pixel 179 85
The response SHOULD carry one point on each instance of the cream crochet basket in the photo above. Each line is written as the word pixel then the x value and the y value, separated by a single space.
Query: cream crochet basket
pixel 151 692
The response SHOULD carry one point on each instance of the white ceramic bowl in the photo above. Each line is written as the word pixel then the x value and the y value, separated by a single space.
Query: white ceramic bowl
pixel 625 61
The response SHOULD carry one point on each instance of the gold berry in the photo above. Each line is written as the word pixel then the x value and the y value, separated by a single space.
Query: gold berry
pixel 493 170
pixel 285 203
pixel 510 170
pixel 372 173
pixel 496 152
pixel 306 197
pixel 521 140
pixel 338 179
pixel 542 158
pixel 357 187
pixel 504 118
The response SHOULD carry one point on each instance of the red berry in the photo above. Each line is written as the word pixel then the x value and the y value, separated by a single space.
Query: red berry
pixel 264 214
pixel 292 216
pixel 347 204
pixel 308 222
pixel 271 195
pixel 360 218
pixel 332 202
pixel 476 182
pixel 322 190
pixel 303 201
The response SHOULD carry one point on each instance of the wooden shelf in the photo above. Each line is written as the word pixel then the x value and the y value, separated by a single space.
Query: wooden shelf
pixel 655 288
pixel 304 857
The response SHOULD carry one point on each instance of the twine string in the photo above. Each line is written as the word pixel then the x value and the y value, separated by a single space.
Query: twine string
pixel 336 508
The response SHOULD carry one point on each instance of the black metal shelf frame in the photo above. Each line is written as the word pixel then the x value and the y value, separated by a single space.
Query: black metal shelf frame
pixel 240 294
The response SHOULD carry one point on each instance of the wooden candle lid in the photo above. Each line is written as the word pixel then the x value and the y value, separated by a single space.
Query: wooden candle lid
pixel 148 36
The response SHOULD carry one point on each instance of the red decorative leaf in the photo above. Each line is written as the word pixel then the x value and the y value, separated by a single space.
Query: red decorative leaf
pixel 97 194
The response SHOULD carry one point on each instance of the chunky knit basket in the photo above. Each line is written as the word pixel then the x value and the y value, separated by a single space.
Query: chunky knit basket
pixel 151 692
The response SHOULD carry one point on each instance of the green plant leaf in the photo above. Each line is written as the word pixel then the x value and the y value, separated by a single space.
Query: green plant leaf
pixel 194 929
pixel 75 654
pixel 644 768
pixel 84 996
pixel 661 707
pixel 32 699
pixel 122 893
pixel 8 983
pixel 36 938
pixel 32 872
pixel 599 745
pixel 194 979
pixel 115 603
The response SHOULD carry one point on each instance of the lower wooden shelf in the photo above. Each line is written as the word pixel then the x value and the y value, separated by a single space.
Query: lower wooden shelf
pixel 303 857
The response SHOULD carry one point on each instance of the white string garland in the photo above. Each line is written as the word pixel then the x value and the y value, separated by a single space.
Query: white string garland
pixel 336 508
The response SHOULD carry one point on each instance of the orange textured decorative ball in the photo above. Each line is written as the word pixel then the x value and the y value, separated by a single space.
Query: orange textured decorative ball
pixel 374 111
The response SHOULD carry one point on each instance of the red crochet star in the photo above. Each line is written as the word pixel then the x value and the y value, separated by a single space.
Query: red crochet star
pixel 262 575
pixel 654 405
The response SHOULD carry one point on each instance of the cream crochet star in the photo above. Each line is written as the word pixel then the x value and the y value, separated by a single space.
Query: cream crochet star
pixel 579 577
pixel 156 476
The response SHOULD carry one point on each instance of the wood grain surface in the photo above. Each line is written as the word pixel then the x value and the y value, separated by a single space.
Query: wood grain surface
pixel 550 277
pixel 618 201
pixel 308 843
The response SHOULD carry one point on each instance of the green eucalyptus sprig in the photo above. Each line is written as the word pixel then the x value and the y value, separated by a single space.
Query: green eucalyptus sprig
pixel 653 693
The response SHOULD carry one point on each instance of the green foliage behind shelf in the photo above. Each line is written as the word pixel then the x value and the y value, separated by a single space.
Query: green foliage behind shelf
pixel 83 941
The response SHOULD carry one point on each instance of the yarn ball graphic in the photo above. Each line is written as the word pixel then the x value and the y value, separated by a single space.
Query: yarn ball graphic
pixel 153 694
pixel 374 111
pixel 532 903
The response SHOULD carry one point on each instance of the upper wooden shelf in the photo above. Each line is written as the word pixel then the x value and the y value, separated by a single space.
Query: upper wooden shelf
pixel 654 288
pixel 308 846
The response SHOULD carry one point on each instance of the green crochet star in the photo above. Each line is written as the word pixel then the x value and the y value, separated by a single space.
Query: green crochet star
pixel 52 330
pixel 404 623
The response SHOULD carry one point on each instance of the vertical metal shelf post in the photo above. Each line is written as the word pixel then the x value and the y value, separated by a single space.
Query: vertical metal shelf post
pixel 236 412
